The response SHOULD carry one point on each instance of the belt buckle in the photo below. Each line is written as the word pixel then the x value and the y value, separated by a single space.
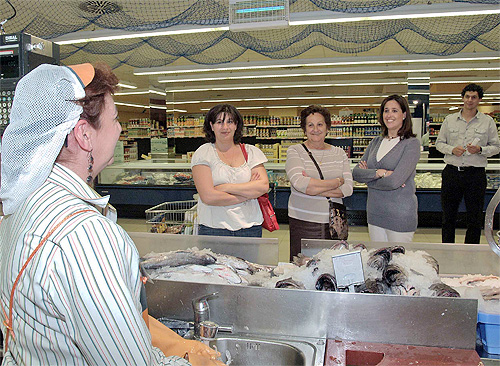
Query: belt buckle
pixel 460 168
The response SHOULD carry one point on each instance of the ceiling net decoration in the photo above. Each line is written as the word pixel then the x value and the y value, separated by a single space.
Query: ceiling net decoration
pixel 49 19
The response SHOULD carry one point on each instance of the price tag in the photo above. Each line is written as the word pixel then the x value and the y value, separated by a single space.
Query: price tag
pixel 348 269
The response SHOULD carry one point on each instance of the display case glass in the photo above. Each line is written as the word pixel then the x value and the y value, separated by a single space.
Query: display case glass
pixel 149 173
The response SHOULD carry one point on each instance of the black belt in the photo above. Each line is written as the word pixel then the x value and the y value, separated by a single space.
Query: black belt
pixel 463 168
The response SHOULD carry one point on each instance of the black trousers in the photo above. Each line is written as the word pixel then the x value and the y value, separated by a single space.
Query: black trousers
pixel 300 229
pixel 468 184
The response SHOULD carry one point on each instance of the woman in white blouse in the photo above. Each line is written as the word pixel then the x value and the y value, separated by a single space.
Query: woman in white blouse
pixel 228 184
pixel 308 207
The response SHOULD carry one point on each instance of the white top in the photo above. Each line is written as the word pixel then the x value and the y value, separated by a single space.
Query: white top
pixel 385 146
pixel 234 217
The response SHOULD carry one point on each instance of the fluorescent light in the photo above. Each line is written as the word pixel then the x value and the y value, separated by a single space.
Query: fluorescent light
pixel 148 107
pixel 137 92
pixel 464 81
pixel 406 12
pixel 280 98
pixel 132 105
pixel 123 84
pixel 304 106
pixel 119 34
pixel 454 95
pixel 240 108
pixel 299 18
pixel 260 75
pixel 340 61
pixel 255 10
pixel 285 86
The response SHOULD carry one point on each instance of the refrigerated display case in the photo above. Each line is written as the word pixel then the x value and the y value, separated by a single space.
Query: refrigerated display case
pixel 145 184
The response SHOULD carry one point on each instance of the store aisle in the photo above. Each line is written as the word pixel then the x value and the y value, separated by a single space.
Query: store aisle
pixel 356 233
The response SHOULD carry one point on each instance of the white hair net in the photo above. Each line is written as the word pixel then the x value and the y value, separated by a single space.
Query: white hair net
pixel 43 113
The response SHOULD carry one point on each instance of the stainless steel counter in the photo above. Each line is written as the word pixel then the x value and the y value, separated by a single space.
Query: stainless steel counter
pixel 257 250
pixel 437 322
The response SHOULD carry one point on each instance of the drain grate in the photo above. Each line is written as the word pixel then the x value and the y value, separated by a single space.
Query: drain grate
pixel 100 7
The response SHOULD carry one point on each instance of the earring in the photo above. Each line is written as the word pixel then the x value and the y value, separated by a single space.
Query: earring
pixel 89 169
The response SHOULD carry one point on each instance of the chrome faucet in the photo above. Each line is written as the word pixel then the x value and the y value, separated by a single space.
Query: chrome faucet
pixel 201 312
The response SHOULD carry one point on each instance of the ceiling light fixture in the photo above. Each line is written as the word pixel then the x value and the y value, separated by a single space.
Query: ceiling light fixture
pixel 138 92
pixel 464 81
pixel 280 98
pixel 340 61
pixel 126 85
pixel 417 15
pixel 306 73
pixel 286 86
pixel 296 19
pixel 111 35
pixel 454 95
pixel 149 106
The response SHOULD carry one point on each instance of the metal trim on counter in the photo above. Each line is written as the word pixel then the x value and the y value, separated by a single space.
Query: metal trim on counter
pixel 422 321
pixel 488 224
pixel 257 250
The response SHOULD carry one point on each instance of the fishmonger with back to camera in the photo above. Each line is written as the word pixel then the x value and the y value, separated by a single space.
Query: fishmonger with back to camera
pixel 71 291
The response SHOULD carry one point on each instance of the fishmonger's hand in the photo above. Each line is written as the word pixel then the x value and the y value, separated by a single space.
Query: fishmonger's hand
pixel 172 344
pixel 198 360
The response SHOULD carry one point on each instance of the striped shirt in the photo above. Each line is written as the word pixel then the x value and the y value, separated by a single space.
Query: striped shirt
pixel 333 163
pixel 77 302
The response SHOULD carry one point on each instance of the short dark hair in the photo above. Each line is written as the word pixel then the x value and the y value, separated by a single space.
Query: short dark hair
pixel 315 109
pixel 406 130
pixel 104 82
pixel 211 117
pixel 473 88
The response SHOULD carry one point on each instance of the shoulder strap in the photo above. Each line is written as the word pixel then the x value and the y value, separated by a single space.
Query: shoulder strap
pixel 244 151
pixel 314 161
pixel 8 317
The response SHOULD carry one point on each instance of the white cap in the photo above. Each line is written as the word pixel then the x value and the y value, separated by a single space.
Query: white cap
pixel 43 113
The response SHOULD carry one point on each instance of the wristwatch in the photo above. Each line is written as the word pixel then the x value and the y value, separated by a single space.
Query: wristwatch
pixel 480 149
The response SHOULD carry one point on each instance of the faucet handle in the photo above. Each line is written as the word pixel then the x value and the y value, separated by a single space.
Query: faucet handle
pixel 200 303
pixel 208 330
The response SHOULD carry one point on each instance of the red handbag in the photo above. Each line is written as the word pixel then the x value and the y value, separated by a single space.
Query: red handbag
pixel 270 222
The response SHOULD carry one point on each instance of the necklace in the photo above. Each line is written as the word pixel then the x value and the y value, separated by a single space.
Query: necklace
pixel 322 156
pixel 391 137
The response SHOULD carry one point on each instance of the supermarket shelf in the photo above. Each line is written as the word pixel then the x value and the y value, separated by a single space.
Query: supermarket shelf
pixel 355 124
pixel 281 126
pixel 188 126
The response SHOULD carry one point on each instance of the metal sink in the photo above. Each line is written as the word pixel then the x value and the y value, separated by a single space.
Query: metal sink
pixel 252 351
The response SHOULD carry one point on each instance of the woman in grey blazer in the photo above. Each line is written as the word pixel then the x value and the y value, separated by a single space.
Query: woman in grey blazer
pixel 388 168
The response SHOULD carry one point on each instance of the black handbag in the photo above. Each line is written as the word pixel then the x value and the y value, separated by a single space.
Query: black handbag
pixel 339 229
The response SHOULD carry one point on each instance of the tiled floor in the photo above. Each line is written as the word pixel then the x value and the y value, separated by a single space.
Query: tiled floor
pixel 357 233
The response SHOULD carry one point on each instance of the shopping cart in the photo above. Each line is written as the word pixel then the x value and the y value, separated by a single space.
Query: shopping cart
pixel 177 217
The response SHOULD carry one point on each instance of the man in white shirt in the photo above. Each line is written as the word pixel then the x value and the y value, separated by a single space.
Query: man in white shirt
pixel 466 139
